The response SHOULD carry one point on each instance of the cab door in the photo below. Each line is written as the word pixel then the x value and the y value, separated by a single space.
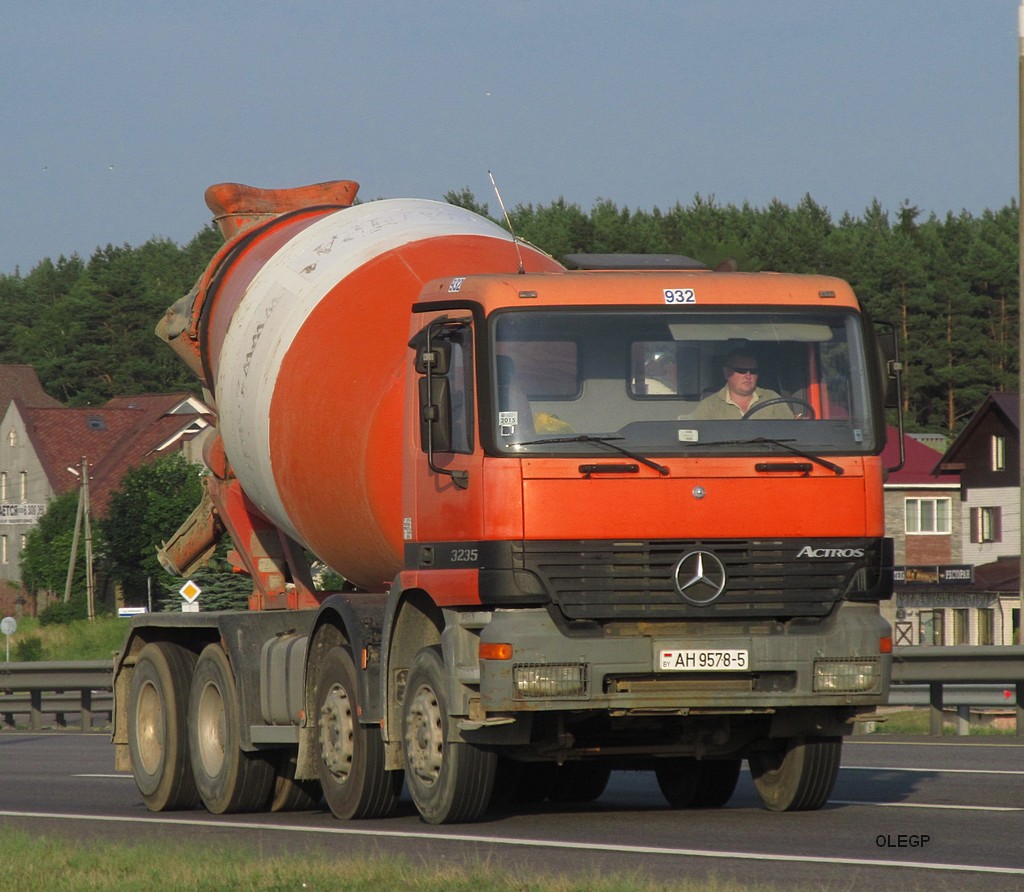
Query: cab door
pixel 444 481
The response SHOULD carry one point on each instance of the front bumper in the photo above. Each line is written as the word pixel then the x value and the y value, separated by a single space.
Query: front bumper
pixel 833 661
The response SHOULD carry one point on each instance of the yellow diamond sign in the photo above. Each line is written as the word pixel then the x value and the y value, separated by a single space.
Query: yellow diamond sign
pixel 190 591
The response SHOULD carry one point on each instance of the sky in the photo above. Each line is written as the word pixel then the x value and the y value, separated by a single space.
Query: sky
pixel 115 116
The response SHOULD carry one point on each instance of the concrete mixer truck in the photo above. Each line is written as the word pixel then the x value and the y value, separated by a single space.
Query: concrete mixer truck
pixel 572 546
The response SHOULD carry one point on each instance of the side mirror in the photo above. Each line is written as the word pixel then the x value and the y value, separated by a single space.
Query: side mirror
pixel 435 415
pixel 892 366
pixel 433 357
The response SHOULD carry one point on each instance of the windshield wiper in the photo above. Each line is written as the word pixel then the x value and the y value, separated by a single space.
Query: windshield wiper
pixel 604 441
pixel 783 444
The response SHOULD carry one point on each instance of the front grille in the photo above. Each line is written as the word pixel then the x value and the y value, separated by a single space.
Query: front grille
pixel 601 580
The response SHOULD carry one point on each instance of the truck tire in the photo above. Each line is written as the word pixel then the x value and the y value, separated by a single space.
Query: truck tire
pixel 290 794
pixel 450 782
pixel 537 780
pixel 351 765
pixel 689 783
pixel 158 726
pixel 578 782
pixel 798 776
pixel 228 778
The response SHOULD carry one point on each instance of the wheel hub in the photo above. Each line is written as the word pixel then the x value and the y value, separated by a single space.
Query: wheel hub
pixel 337 733
pixel 149 729
pixel 211 730
pixel 424 739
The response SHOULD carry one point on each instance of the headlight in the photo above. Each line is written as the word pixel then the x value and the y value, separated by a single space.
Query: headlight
pixel 846 676
pixel 550 681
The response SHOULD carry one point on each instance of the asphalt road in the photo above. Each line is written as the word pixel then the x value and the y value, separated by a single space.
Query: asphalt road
pixel 926 815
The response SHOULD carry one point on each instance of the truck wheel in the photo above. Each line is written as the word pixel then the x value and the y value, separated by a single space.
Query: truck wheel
pixel 228 778
pixel 290 794
pixel 689 783
pixel 508 774
pixel 538 779
pixel 449 782
pixel 798 776
pixel 577 782
pixel 352 773
pixel 158 726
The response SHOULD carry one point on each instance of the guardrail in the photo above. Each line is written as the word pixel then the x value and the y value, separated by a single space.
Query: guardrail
pixel 58 689
pixel 943 668
pixel 962 672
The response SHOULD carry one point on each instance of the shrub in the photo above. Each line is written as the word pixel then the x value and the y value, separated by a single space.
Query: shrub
pixel 29 650
pixel 60 613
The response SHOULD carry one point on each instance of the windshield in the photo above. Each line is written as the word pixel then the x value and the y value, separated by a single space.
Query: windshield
pixel 667 383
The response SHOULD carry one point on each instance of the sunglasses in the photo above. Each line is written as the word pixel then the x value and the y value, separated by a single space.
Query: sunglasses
pixel 744 370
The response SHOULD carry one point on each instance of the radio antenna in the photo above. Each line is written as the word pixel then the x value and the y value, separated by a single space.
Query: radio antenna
pixel 508 221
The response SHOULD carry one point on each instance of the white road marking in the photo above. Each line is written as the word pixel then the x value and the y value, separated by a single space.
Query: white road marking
pixel 122 776
pixel 929 770
pixel 926 805
pixel 534 843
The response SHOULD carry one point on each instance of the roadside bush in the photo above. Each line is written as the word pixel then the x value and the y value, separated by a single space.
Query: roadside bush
pixel 29 650
pixel 58 613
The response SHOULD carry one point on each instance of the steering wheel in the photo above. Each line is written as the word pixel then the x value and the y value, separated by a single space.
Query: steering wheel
pixel 780 400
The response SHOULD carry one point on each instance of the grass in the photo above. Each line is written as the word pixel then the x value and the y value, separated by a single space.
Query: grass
pixel 77 640
pixel 37 864
pixel 917 720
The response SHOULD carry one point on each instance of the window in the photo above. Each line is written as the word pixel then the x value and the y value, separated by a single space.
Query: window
pixel 12 437
pixel 961 625
pixel 986 525
pixel 3 486
pixel 640 375
pixel 928 516
pixel 932 627
pixel 998 452
pixel 24 486
pixel 3 550
pixel 544 368
pixel 986 626
pixel 655 369
pixel 459 375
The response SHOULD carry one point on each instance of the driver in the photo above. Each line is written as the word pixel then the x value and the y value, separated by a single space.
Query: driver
pixel 740 393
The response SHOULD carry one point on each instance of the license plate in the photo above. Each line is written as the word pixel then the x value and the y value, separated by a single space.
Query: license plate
pixel 703 660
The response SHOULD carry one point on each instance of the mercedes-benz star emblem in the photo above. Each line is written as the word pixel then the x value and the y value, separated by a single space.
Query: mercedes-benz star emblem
pixel 699 577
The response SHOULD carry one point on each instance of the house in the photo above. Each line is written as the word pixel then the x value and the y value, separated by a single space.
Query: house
pixel 43 450
pixel 22 382
pixel 922 516
pixel 986 456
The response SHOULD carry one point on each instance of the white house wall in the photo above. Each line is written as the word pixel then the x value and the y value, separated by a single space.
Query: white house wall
pixel 19 511
pixel 1005 498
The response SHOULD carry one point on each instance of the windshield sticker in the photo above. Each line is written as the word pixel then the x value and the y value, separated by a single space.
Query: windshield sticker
pixel 688 435
pixel 507 423
pixel 680 296
pixel 456 285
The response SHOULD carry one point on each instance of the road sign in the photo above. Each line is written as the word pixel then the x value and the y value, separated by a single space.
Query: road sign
pixel 8 625
pixel 190 591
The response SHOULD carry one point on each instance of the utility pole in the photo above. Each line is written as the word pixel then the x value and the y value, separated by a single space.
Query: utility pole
pixel 82 518
pixel 88 542
pixel 74 546
pixel 1020 298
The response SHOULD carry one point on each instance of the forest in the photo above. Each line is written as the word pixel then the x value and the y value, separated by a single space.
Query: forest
pixel 949 284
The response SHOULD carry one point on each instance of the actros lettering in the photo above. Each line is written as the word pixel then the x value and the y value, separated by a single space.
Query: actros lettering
pixel 809 551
